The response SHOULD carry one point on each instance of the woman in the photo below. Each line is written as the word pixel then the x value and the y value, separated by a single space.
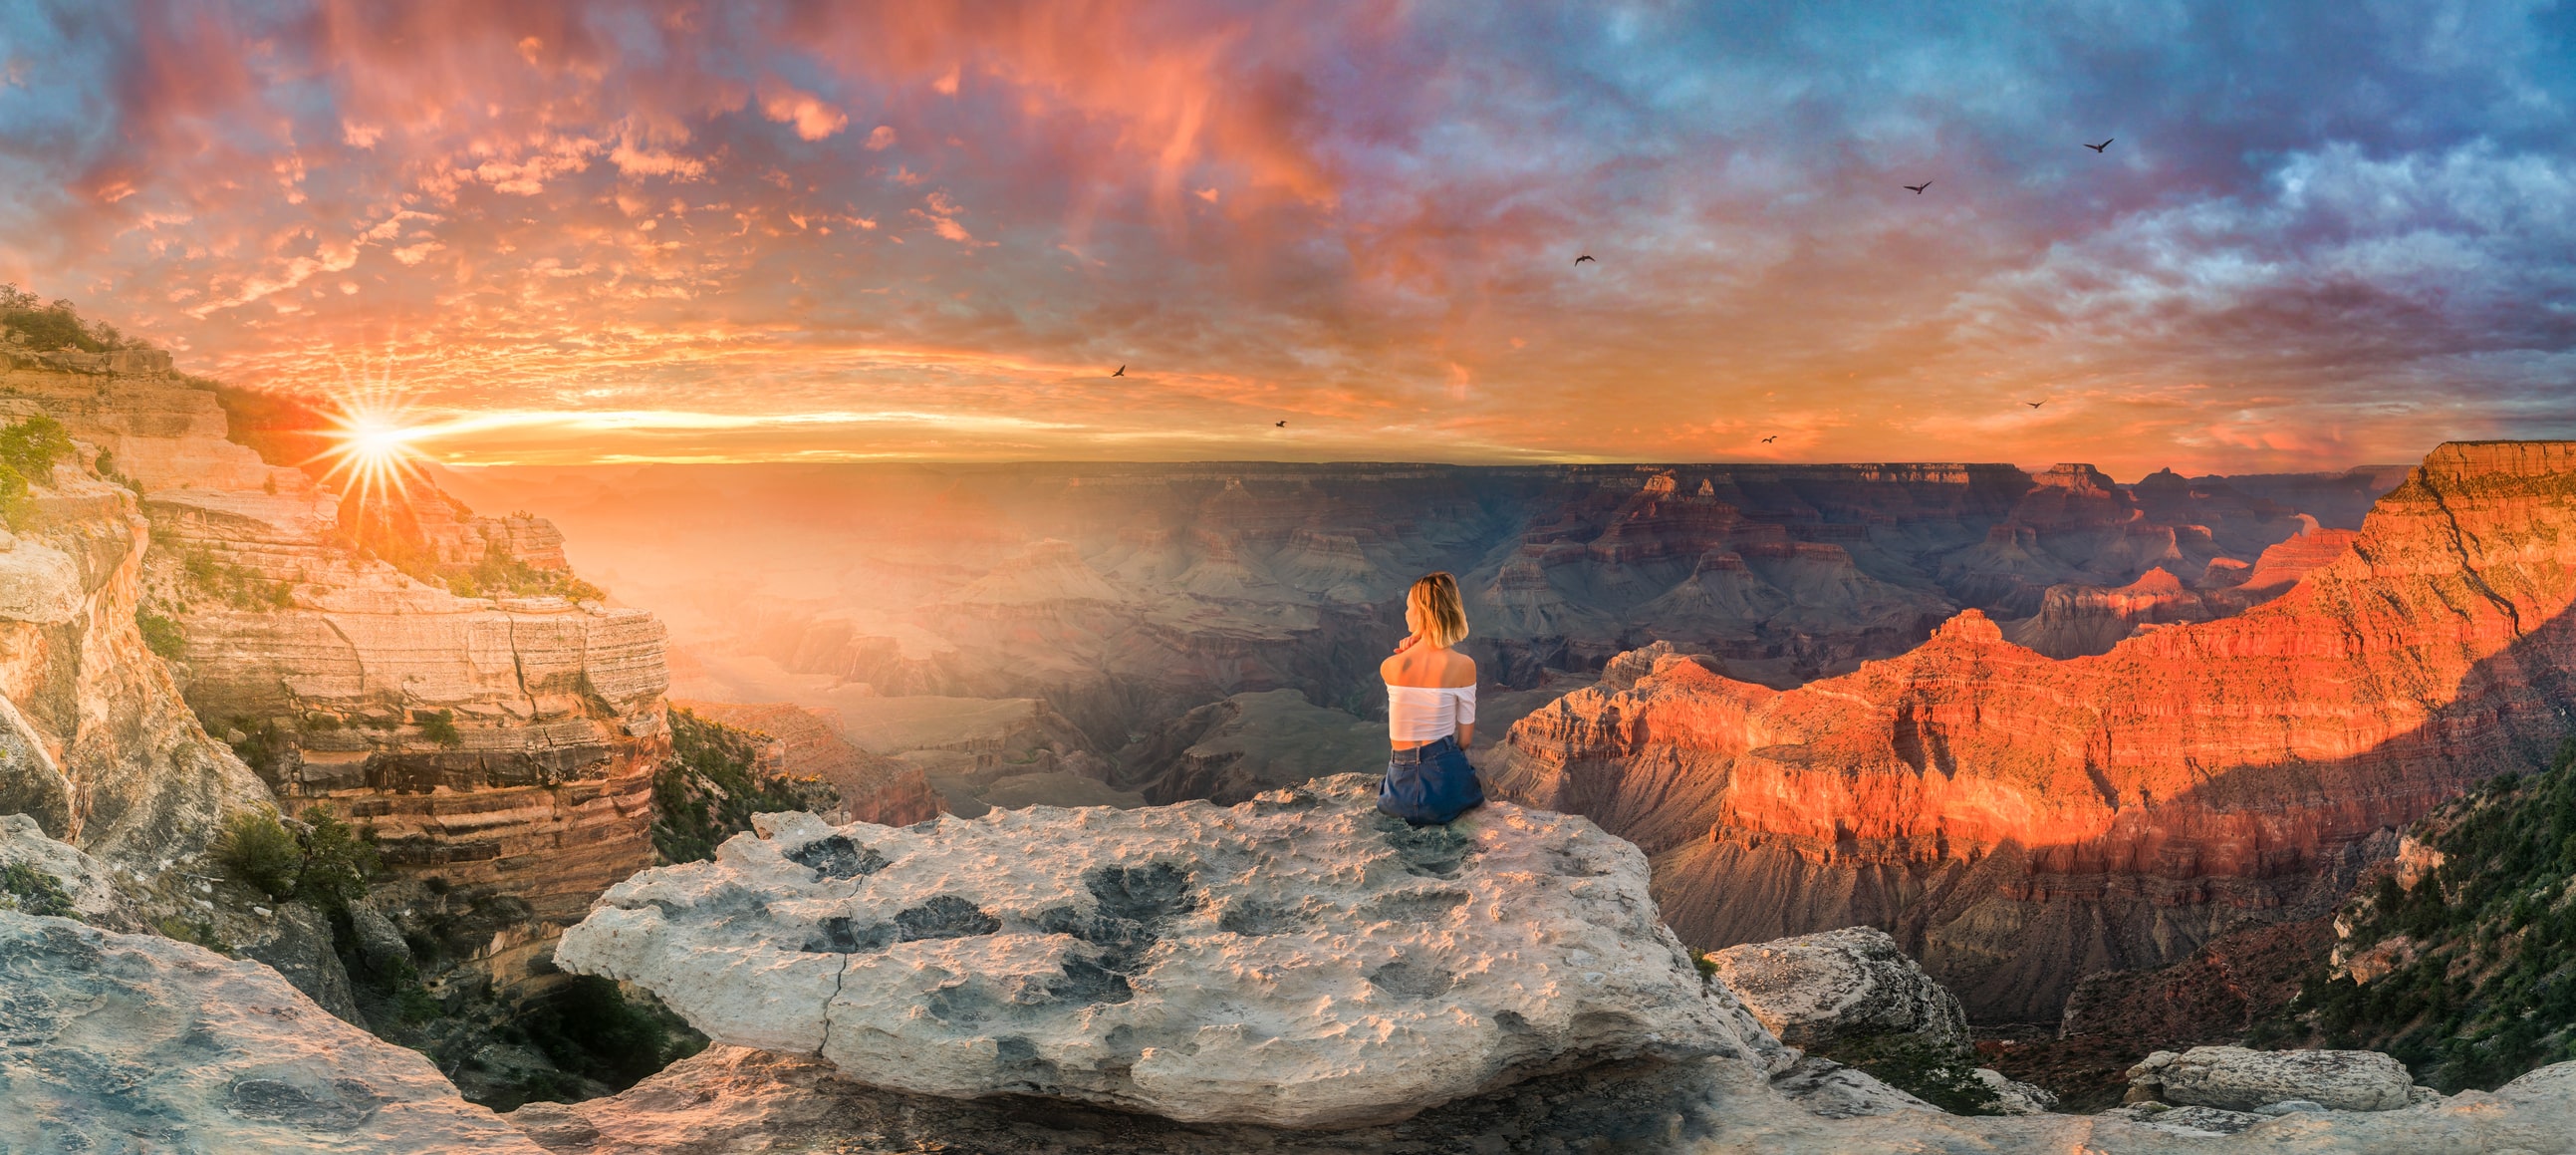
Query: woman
pixel 1430 710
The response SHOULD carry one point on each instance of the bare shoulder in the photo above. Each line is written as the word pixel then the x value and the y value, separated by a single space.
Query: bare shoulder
pixel 1391 669
pixel 1461 671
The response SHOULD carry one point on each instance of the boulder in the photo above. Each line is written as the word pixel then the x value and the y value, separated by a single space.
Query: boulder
pixel 48 877
pixel 1848 985
pixel 1298 960
pixel 2237 1079
pixel 1834 1091
pixel 139 1043
pixel 2014 1097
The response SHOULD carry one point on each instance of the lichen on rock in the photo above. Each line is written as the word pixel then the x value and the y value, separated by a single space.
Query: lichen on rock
pixel 1297 960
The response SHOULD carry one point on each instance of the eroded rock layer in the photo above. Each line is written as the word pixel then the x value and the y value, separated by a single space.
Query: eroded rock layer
pixel 96 743
pixel 2020 822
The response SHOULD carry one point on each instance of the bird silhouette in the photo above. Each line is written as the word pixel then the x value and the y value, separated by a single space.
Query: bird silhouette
pixel 1770 439
pixel 1281 424
pixel 1122 371
pixel 1585 257
pixel 2106 143
pixel 1917 189
pixel 2036 404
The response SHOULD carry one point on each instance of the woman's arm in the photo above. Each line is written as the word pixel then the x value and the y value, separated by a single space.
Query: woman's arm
pixel 1466 734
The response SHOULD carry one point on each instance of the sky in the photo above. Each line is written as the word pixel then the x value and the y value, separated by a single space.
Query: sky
pixel 2323 234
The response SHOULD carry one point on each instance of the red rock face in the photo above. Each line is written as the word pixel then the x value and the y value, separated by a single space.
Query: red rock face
pixel 2021 821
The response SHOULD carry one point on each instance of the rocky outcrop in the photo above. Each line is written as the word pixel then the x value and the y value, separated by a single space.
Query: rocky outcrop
pixel 95 741
pixel 1298 960
pixel 136 1042
pixel 1818 989
pixel 752 1102
pixel 2020 822
pixel 47 877
pixel 2236 1079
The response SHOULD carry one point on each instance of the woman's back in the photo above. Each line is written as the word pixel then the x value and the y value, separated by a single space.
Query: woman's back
pixel 1430 710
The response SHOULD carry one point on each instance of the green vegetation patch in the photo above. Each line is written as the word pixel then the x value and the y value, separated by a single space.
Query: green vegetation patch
pixel 28 450
pixel 501 574
pixel 56 325
pixel 34 891
pixel 237 586
pixel 322 860
pixel 1940 1076
pixel 711 788
pixel 162 634
pixel 2483 986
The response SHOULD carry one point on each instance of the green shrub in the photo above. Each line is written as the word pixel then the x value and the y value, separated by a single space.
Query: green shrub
pixel 1707 965
pixel 256 848
pixel 711 788
pixel 34 891
pixel 337 862
pixel 1943 1078
pixel 440 726
pixel 52 326
pixel 33 446
pixel 17 505
pixel 162 634
pixel 190 930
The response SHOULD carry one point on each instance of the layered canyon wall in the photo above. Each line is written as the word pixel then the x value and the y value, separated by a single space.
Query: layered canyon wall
pixel 2020 822
pixel 492 741
pixel 96 743
pixel 1129 595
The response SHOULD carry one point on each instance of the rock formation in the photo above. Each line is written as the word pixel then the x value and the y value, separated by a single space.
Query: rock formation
pixel 749 1102
pixel 1818 989
pixel 2236 1079
pixel 1849 996
pixel 1298 960
pixel 135 1042
pixel 49 878
pixel 95 742
pixel 2019 822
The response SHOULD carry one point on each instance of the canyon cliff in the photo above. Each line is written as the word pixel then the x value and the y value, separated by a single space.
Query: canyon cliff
pixel 499 740
pixel 2020 822
pixel 1126 596
pixel 96 743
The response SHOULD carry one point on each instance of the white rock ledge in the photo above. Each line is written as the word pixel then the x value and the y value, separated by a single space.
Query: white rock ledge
pixel 1298 960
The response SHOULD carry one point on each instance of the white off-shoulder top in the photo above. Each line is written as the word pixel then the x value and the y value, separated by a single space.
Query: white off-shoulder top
pixel 1428 713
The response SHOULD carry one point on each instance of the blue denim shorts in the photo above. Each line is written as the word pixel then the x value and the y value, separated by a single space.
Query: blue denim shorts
pixel 1431 784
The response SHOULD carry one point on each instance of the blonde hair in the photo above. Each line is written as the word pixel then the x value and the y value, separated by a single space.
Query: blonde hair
pixel 1444 615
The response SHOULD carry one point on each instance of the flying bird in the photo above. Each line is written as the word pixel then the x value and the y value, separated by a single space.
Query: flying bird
pixel 1585 257
pixel 1917 189
pixel 2036 404
pixel 1122 371
pixel 2099 147
pixel 1281 424
pixel 1770 439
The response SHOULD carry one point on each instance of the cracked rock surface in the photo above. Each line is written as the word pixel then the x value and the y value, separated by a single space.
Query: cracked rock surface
pixel 1298 960
pixel 134 1043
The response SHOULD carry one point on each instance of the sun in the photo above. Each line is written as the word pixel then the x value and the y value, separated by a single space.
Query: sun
pixel 371 453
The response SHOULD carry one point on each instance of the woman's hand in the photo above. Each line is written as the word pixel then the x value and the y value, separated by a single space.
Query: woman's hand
pixel 1407 643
